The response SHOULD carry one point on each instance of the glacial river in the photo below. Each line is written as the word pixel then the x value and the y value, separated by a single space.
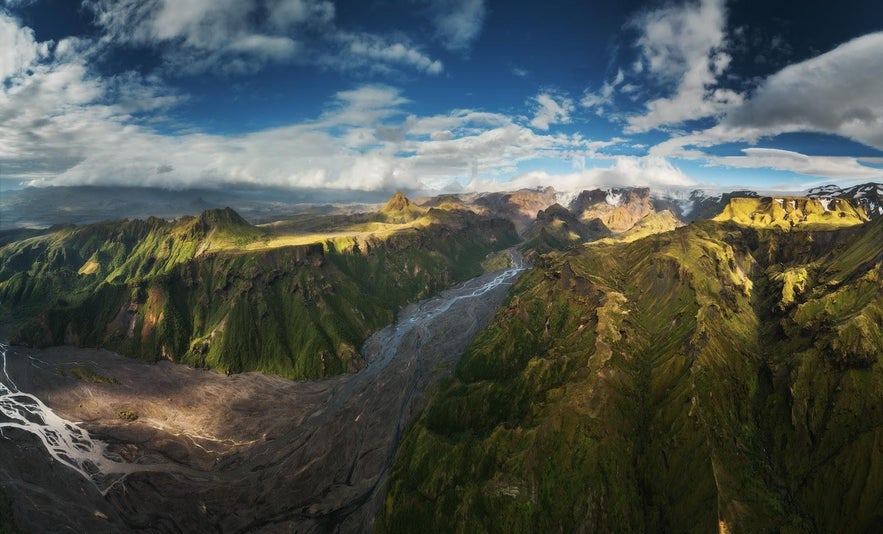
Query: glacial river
pixel 66 441
pixel 242 452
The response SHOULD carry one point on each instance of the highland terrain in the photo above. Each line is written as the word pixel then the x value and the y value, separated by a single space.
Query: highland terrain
pixel 663 362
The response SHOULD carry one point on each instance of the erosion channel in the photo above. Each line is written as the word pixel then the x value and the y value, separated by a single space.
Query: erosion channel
pixel 207 452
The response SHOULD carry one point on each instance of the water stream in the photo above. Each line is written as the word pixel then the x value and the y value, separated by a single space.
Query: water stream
pixel 65 441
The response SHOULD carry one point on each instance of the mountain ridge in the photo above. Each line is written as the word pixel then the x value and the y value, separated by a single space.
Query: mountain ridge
pixel 214 291
pixel 717 377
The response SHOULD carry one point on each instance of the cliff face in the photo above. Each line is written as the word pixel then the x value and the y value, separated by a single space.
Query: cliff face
pixel 714 377
pixel 204 291
pixel 520 207
pixel 791 212
pixel 618 209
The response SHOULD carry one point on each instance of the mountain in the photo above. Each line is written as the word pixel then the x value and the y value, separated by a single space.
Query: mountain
pixel 791 212
pixel 399 209
pixel 556 228
pixel 698 204
pixel 521 207
pixel 618 209
pixel 720 377
pixel 215 291
pixel 868 196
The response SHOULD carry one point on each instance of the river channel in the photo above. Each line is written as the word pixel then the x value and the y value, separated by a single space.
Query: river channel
pixel 215 453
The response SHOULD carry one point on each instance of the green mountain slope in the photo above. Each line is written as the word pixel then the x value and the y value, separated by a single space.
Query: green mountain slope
pixel 208 291
pixel 718 377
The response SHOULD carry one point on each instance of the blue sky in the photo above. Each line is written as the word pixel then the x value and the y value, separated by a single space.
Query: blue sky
pixel 441 95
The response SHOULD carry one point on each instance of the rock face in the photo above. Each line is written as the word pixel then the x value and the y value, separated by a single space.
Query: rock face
pixel 556 228
pixel 868 196
pixel 618 209
pixel 718 377
pixel 521 207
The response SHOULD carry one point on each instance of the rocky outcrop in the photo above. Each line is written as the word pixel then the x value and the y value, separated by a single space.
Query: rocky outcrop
pixel 618 209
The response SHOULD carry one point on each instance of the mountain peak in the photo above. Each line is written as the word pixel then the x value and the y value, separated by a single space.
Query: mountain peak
pixel 397 202
pixel 222 217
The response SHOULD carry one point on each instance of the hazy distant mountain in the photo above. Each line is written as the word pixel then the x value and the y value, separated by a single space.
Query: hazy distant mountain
pixel 46 206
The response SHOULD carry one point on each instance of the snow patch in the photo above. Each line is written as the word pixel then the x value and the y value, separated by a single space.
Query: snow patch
pixel 566 198
pixel 613 199
pixel 825 202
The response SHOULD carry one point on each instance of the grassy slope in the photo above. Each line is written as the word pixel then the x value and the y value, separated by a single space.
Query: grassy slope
pixel 678 382
pixel 194 291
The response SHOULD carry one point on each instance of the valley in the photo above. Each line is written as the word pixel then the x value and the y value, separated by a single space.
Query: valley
pixel 240 452
pixel 675 371
pixel 720 376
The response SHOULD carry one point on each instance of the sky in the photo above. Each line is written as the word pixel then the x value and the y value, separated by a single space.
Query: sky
pixel 441 95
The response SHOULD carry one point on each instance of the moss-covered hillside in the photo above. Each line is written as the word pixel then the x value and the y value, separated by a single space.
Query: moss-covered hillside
pixel 714 377
pixel 214 291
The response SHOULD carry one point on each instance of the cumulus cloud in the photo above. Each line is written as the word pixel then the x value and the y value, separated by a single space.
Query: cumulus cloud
pixel 201 35
pixel 837 93
pixel 18 48
pixel 457 22
pixel 551 111
pixel 62 125
pixel 684 47
pixel 599 100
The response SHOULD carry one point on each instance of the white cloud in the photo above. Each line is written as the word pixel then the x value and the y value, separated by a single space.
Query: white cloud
pixel 200 35
pixel 684 47
pixel 242 36
pixel 602 98
pixel 63 125
pixel 18 48
pixel 785 160
pixel 839 92
pixel 457 22
pixel 284 14
pixel 625 171
pixel 551 111
pixel 377 49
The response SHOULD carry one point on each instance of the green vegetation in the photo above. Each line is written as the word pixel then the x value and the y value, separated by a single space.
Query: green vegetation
pixel 87 374
pixel 127 415
pixel 213 291
pixel 713 377
pixel 496 261
pixel 792 212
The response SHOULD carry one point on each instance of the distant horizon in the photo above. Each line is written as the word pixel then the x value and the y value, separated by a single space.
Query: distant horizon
pixel 447 95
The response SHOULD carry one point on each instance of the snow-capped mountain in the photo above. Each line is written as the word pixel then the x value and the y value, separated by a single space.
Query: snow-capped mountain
pixel 868 196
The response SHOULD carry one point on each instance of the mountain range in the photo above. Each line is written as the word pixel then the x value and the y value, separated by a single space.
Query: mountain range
pixel 723 376
pixel 670 361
